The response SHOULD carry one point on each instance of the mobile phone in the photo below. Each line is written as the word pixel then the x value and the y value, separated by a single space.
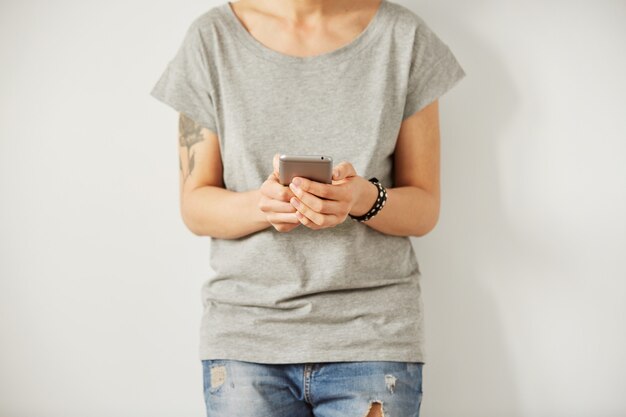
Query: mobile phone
pixel 317 168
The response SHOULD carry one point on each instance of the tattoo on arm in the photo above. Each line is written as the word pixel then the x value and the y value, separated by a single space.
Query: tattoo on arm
pixel 189 133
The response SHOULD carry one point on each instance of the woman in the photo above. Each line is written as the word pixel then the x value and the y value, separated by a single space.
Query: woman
pixel 312 310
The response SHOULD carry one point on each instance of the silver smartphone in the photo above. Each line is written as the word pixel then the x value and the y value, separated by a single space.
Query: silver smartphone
pixel 317 168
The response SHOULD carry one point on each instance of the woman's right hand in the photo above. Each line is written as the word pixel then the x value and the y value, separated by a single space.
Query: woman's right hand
pixel 275 203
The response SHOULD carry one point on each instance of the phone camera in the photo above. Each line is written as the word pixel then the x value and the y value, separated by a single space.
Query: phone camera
pixel 322 157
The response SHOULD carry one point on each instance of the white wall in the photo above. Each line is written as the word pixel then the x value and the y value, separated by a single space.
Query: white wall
pixel 524 276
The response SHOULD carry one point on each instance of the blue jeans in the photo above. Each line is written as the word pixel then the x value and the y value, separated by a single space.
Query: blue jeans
pixel 235 388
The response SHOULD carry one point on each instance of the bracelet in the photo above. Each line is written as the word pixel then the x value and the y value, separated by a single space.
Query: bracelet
pixel 378 205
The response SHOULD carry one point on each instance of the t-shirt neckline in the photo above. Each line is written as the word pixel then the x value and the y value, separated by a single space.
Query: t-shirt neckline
pixel 331 57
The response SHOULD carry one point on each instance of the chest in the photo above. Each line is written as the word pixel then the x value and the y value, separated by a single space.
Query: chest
pixel 349 111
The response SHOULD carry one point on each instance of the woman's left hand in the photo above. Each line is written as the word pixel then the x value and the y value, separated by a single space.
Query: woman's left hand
pixel 322 205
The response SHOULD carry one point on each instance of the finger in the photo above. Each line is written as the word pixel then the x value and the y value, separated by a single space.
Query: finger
pixel 274 177
pixel 306 221
pixel 275 163
pixel 343 170
pixel 315 217
pixel 286 227
pixel 278 191
pixel 277 218
pixel 320 205
pixel 276 206
pixel 327 191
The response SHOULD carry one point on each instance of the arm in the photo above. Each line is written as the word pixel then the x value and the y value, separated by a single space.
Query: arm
pixel 207 208
pixel 412 206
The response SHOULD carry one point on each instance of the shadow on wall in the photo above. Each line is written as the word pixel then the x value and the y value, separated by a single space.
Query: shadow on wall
pixel 469 368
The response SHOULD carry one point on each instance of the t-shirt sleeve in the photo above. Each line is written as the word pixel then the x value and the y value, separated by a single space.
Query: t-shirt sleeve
pixel 185 83
pixel 434 70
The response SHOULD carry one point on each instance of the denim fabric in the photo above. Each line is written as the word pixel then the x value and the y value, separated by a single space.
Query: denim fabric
pixel 235 388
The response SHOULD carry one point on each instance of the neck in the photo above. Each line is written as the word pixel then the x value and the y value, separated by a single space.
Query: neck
pixel 305 11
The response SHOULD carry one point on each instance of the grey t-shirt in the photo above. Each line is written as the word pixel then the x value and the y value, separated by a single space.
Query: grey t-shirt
pixel 347 293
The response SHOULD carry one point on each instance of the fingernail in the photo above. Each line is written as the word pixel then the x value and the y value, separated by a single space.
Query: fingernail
pixel 296 181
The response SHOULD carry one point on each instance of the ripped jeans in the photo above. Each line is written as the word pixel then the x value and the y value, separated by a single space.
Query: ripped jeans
pixel 235 388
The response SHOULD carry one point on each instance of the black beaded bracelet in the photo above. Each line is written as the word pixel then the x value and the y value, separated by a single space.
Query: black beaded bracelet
pixel 378 205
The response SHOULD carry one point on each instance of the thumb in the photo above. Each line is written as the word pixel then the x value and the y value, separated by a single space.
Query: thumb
pixel 343 170
pixel 275 162
pixel 339 172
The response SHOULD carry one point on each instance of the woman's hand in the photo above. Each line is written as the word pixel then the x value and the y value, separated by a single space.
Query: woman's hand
pixel 275 204
pixel 322 205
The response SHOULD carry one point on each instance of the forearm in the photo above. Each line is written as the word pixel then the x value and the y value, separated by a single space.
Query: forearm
pixel 220 213
pixel 408 211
